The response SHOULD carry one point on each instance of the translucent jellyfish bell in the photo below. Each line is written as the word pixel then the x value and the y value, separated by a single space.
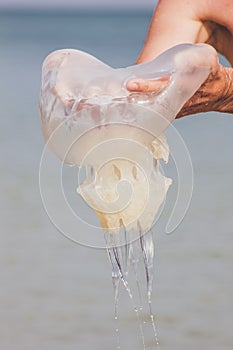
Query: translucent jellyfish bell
pixel 89 118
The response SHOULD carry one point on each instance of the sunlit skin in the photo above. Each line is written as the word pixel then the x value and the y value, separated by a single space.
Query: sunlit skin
pixel 193 21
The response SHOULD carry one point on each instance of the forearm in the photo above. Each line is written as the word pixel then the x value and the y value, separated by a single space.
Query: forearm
pixel 191 21
pixel 173 22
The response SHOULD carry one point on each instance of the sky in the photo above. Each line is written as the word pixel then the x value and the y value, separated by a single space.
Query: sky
pixel 135 4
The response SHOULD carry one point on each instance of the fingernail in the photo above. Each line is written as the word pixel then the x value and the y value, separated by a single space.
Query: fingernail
pixel 132 86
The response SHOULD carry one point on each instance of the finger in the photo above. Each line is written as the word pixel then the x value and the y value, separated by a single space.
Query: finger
pixel 143 85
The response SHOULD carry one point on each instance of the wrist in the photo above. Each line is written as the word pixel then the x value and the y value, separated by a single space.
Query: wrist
pixel 224 103
pixel 215 94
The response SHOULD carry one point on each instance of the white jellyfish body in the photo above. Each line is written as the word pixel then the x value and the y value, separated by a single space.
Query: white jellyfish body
pixel 89 118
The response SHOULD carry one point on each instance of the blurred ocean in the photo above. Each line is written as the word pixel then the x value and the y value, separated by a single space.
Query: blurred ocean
pixel 58 295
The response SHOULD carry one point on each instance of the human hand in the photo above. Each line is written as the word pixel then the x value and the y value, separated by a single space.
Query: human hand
pixel 176 22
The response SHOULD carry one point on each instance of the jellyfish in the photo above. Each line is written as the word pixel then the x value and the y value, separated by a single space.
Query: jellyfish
pixel 90 119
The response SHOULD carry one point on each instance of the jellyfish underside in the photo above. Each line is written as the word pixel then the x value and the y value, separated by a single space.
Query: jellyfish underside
pixel 89 118
pixel 126 190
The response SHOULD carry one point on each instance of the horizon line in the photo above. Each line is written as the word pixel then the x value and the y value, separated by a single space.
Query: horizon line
pixel 74 11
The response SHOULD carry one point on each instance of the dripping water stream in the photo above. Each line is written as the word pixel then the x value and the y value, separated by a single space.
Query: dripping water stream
pixel 147 246
pixel 121 256
pixel 116 259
